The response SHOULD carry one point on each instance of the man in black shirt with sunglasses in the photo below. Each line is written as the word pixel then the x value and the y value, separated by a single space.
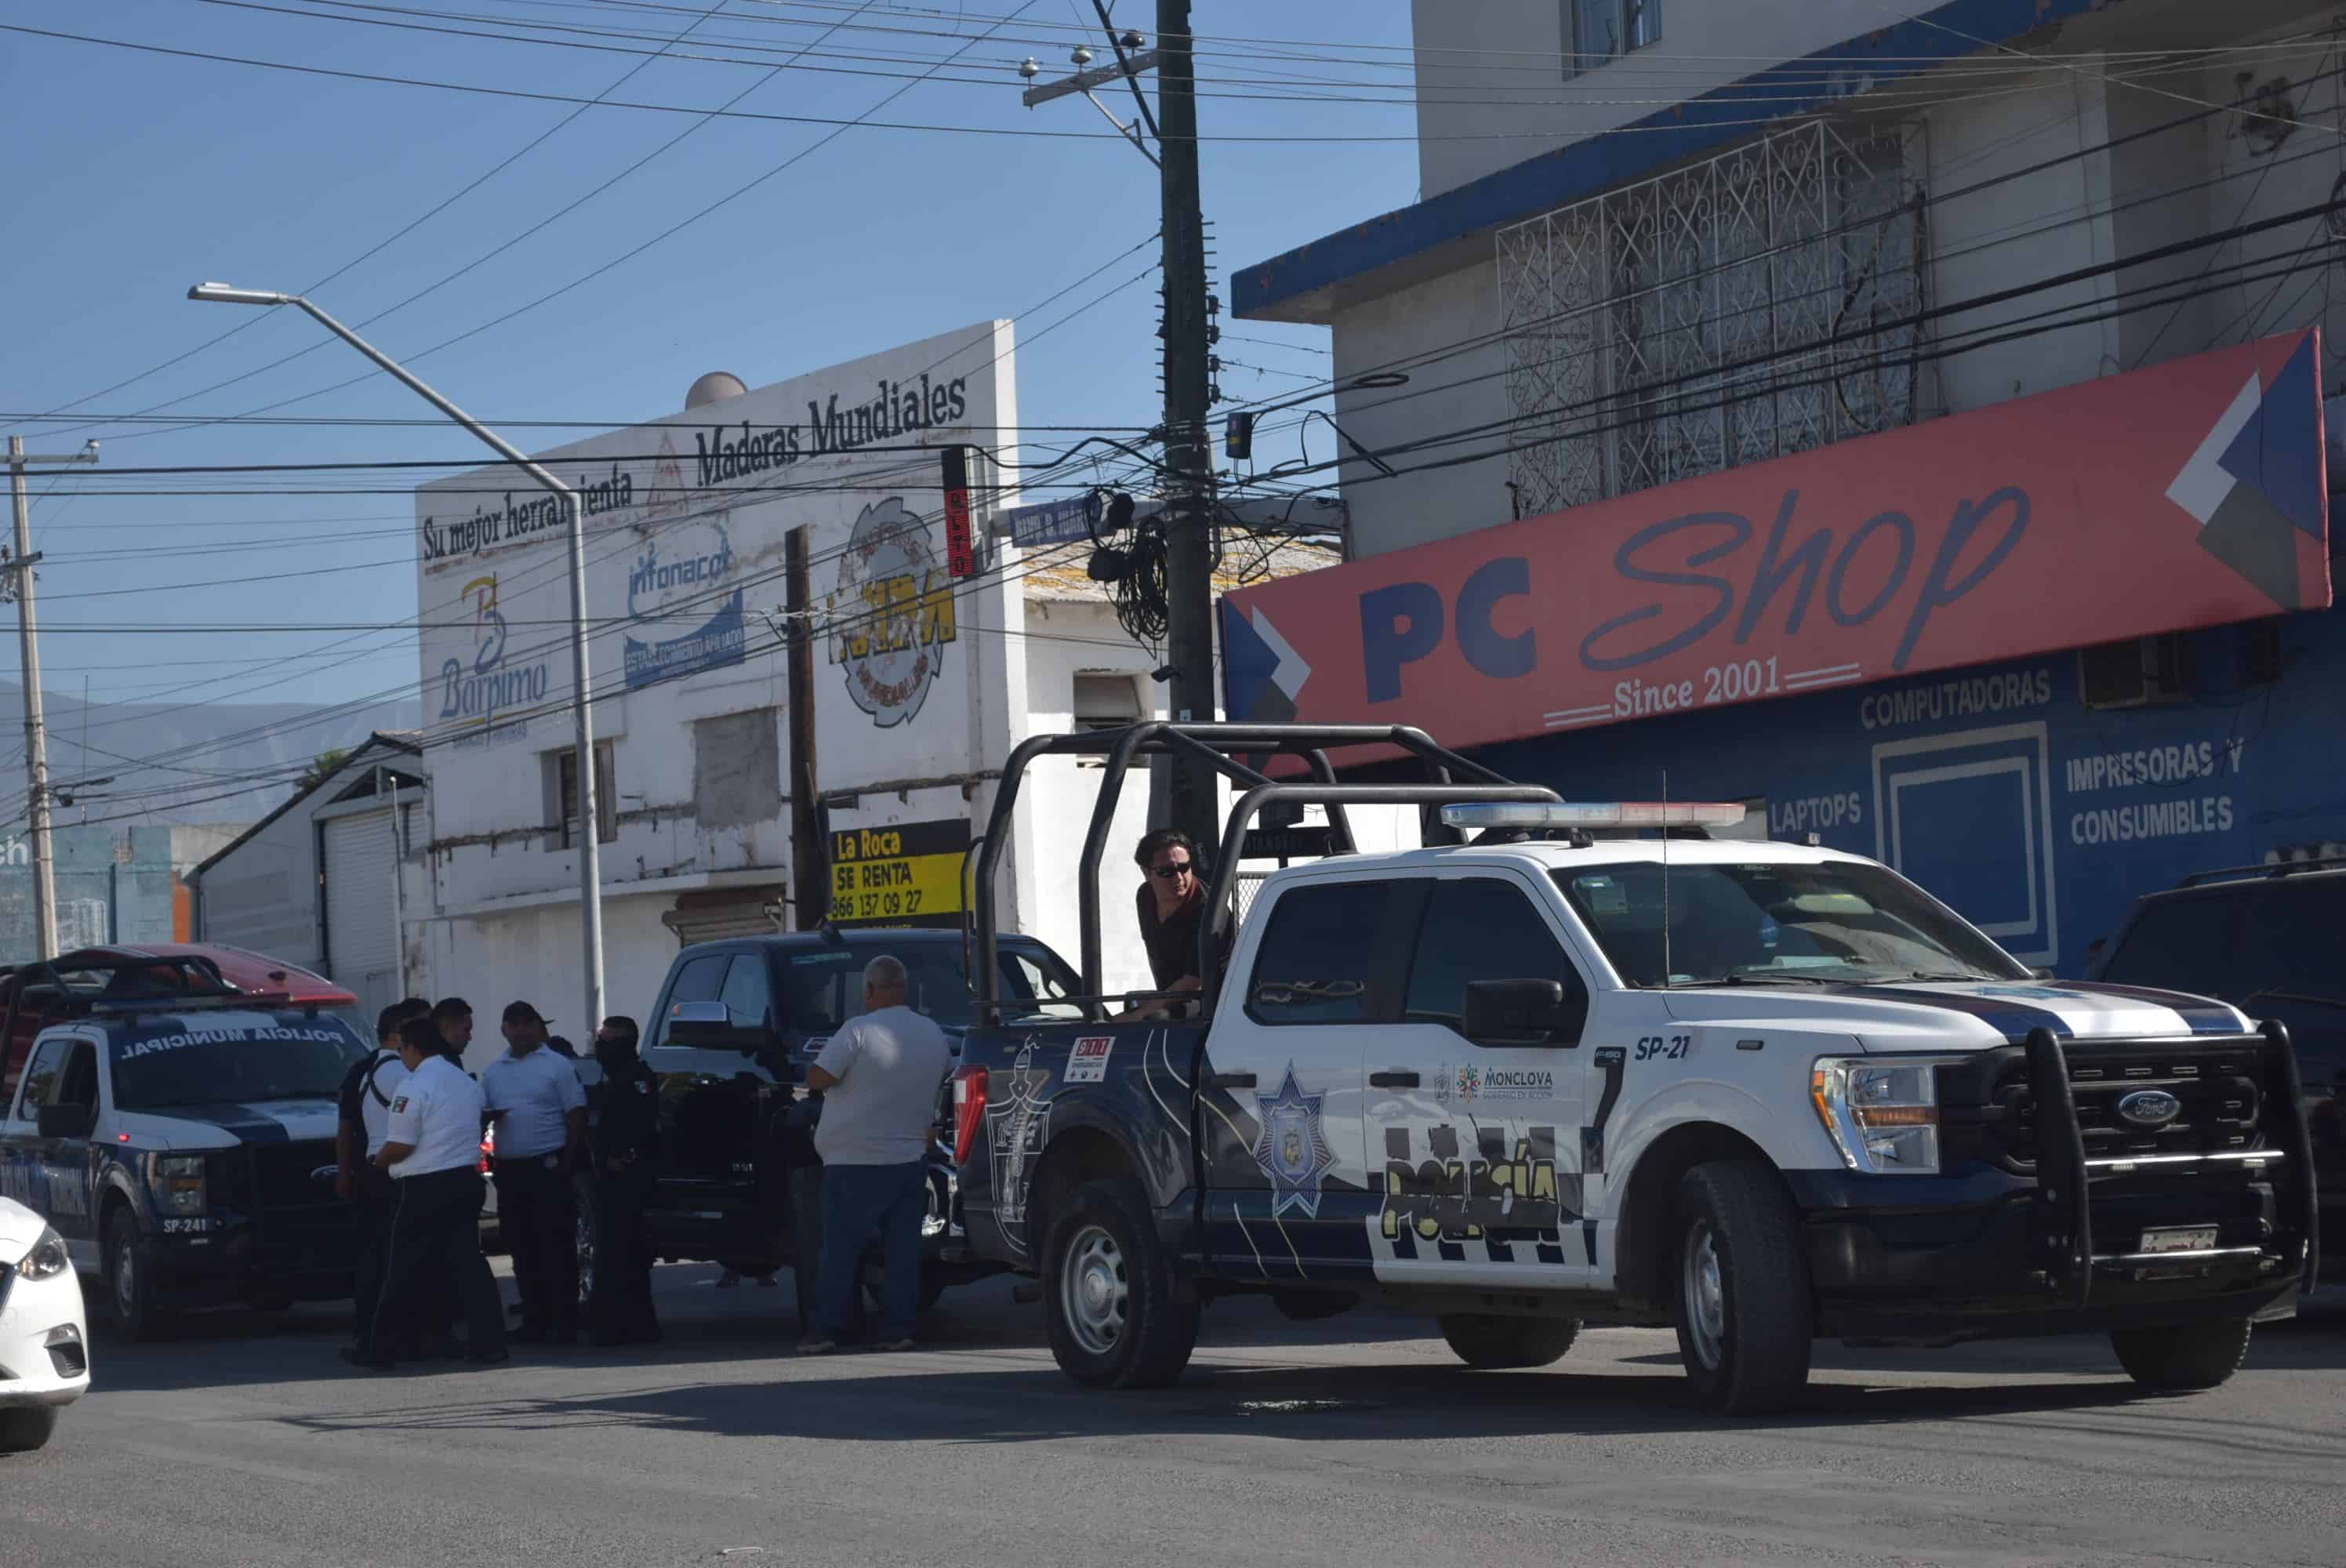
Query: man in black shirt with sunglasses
pixel 1171 908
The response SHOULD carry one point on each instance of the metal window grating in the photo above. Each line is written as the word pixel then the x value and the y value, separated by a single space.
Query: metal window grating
pixel 1672 328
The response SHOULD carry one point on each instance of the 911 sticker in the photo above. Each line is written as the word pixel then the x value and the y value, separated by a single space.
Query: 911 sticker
pixel 1088 1060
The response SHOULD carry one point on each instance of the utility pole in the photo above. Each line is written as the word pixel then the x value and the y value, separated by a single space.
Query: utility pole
pixel 19 571
pixel 809 855
pixel 1189 447
pixel 1189 370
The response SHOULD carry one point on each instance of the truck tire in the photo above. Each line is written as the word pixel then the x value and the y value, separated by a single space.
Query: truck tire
pixel 130 1281
pixel 22 1431
pixel 1114 1315
pixel 1491 1344
pixel 1739 1288
pixel 2191 1356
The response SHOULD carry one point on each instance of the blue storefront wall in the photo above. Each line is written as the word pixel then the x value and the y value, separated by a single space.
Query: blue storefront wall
pixel 1997 788
pixel 113 885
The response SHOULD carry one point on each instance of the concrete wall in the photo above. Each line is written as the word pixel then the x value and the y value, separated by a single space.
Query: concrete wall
pixel 2063 199
pixel 1495 83
pixel 264 895
pixel 1462 390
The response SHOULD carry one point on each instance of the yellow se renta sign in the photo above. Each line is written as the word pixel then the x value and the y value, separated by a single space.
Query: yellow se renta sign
pixel 909 874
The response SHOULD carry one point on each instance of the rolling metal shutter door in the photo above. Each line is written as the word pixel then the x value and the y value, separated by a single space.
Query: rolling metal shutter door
pixel 361 947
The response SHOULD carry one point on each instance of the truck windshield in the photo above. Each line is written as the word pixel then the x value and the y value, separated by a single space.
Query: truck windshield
pixel 198 1061
pixel 1771 923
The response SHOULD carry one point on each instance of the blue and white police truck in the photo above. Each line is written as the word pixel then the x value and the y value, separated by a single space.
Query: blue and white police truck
pixel 182 1144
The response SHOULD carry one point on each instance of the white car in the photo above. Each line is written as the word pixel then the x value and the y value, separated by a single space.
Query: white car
pixel 44 1336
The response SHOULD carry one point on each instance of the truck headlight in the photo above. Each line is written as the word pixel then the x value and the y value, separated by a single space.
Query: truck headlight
pixel 177 1183
pixel 1881 1112
pixel 48 1260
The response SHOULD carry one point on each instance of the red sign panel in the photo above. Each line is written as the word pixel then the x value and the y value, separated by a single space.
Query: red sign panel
pixel 961 550
pixel 2188 496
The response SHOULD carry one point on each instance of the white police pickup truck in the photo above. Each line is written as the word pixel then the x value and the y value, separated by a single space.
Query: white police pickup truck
pixel 1759 1092
pixel 183 1146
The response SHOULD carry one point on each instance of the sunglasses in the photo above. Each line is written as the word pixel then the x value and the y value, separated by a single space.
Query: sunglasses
pixel 1176 869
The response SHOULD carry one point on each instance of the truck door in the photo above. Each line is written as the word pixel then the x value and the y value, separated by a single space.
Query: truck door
pixel 1476 1147
pixel 1291 1195
pixel 50 1171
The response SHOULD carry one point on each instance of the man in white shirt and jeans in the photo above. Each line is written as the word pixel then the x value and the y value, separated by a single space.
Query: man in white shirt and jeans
pixel 534 1095
pixel 432 1148
pixel 879 1078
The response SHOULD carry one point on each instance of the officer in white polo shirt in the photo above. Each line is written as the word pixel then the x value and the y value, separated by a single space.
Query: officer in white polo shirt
pixel 431 1149
pixel 534 1097
pixel 363 1126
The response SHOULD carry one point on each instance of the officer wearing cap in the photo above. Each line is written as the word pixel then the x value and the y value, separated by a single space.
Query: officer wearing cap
pixel 535 1098
pixel 431 1149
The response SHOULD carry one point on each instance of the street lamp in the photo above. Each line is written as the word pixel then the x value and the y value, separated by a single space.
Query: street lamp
pixel 590 856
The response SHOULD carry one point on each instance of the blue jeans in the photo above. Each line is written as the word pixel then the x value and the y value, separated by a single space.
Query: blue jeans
pixel 857 1199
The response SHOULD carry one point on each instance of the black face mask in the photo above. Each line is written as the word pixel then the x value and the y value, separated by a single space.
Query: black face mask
pixel 615 1056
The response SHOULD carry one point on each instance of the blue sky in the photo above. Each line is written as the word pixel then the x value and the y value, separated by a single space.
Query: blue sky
pixel 134 175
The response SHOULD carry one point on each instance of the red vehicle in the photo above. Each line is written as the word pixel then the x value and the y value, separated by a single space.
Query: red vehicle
pixel 34 995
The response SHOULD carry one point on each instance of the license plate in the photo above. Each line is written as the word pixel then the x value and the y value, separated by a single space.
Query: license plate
pixel 2180 1239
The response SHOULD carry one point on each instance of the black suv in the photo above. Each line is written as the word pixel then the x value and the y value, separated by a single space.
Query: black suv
pixel 2271 941
pixel 736 1024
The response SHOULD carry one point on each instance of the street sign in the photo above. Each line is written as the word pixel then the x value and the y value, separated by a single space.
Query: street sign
pixel 1063 522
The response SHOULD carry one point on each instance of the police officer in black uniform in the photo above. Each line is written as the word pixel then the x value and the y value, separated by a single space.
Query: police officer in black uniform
pixel 626 1123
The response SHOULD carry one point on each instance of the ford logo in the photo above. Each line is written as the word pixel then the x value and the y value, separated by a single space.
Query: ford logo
pixel 2150 1107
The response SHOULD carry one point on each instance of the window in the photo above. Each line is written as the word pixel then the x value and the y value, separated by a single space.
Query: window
pixel 737 769
pixel 1769 922
pixel 2179 945
pixel 1106 702
pixel 1026 978
pixel 1604 30
pixel 562 795
pixel 1319 954
pixel 700 980
pixel 2290 939
pixel 822 990
pixel 2136 672
pixel 44 1076
pixel 1481 927
pixel 231 1066
pixel 748 1001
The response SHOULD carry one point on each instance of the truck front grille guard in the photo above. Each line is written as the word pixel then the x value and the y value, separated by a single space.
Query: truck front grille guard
pixel 2293 1131
pixel 2063 1175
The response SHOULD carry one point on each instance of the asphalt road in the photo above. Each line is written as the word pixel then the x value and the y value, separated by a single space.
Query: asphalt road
pixel 1356 1441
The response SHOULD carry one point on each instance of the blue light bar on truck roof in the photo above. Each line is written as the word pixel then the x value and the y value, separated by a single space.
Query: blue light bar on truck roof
pixel 1594 814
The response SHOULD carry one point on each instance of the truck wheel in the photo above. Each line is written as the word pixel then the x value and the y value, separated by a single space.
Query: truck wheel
pixel 130 1281
pixel 1740 1297
pixel 22 1431
pixel 2193 1356
pixel 1109 1299
pixel 1493 1343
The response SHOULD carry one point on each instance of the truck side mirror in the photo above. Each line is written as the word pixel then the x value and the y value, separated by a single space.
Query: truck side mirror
pixel 1529 1012
pixel 67 1121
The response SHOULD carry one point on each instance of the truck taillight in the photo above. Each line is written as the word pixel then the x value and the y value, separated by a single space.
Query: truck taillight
pixel 969 1111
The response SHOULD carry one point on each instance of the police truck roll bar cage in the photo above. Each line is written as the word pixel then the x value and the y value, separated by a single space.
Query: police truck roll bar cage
pixel 1221 747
